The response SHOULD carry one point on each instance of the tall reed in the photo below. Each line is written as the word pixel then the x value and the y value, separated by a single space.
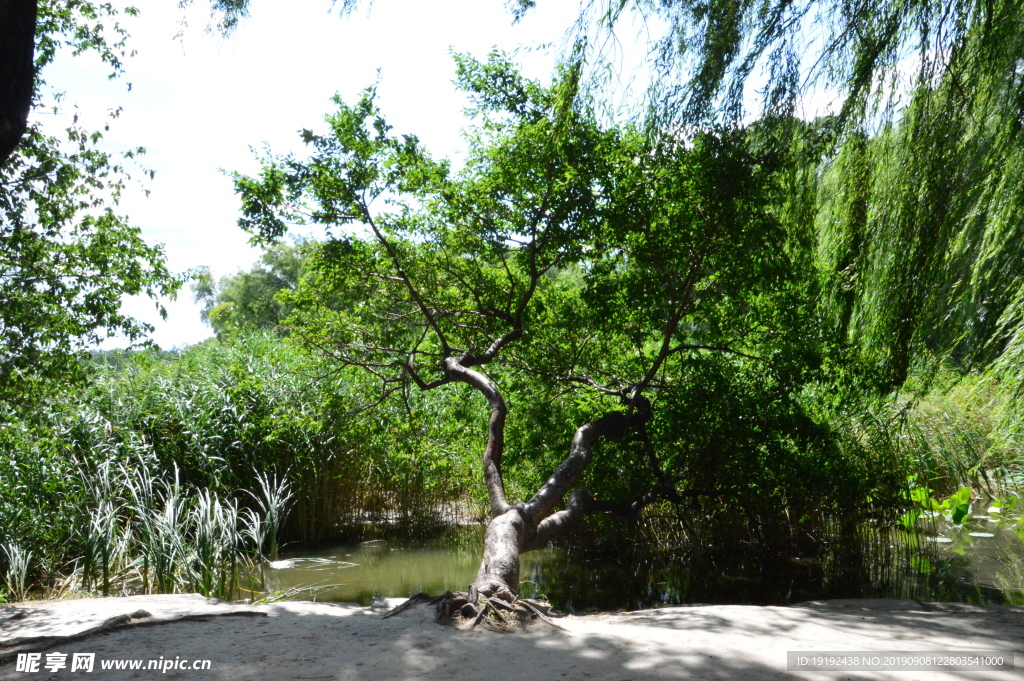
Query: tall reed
pixel 955 435
pixel 273 501
pixel 18 561
pixel 107 481
pixel 156 535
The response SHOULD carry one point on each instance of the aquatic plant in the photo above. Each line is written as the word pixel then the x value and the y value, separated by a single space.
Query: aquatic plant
pixel 18 561
pixel 273 501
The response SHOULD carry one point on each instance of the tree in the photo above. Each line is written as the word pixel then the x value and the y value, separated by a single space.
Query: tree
pixel 17 70
pixel 66 258
pixel 917 231
pixel 66 261
pixel 947 73
pixel 248 300
pixel 31 32
pixel 596 261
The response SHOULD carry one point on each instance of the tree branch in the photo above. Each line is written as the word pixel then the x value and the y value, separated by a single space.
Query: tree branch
pixel 670 330
pixel 420 383
pixel 582 504
pixel 562 523
pixel 393 255
pixel 613 426
pixel 470 360
pixel 717 348
pixel 455 371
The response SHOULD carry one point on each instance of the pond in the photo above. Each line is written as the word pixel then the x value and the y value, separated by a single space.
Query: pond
pixel 981 561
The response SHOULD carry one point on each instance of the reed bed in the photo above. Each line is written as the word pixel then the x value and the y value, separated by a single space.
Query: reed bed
pixel 191 471
pixel 174 472
pixel 141 534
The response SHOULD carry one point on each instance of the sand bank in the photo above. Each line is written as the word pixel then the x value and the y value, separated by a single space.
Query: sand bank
pixel 306 640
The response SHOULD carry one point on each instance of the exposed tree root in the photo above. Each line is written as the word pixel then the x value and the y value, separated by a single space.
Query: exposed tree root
pixel 491 612
pixel 414 600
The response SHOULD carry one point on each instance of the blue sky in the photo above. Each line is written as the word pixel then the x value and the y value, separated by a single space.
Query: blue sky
pixel 200 102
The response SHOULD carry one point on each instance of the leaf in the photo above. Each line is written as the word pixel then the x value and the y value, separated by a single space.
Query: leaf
pixel 910 519
pixel 959 513
pixel 921 496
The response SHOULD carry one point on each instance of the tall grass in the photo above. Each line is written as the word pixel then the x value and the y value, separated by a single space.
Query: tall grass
pixel 158 537
pixel 171 474
pixel 17 569
pixel 954 435
pixel 273 502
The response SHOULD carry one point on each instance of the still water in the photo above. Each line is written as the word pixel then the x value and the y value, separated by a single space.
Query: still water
pixel 981 561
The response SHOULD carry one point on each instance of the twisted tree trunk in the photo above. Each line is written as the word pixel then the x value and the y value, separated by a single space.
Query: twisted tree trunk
pixel 516 529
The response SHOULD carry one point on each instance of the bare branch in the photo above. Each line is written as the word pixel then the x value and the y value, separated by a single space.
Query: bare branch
pixel 385 394
pixel 670 330
pixel 469 360
pixel 583 380
pixel 717 348
pixel 612 425
pixel 420 383
pixel 393 255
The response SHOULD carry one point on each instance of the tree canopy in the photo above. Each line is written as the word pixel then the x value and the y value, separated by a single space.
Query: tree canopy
pixel 911 171
pixel 647 276
pixel 248 301
pixel 940 82
pixel 66 257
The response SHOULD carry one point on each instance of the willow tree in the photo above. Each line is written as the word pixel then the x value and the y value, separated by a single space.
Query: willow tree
pixel 917 216
pixel 632 272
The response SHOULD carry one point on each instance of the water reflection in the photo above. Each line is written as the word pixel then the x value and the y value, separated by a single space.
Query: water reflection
pixel 359 572
pixel 982 562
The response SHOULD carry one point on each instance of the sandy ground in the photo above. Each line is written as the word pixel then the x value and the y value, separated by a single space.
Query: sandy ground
pixel 304 640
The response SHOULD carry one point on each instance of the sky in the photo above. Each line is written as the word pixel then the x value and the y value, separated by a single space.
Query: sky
pixel 200 103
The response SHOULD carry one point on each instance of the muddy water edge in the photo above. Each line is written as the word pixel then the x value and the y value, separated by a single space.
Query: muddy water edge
pixel 980 561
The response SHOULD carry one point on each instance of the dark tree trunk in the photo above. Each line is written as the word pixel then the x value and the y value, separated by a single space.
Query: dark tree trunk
pixel 17 70
pixel 529 526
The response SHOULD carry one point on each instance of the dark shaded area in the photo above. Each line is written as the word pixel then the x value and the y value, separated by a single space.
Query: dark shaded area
pixel 631 575
pixel 601 569
pixel 17 70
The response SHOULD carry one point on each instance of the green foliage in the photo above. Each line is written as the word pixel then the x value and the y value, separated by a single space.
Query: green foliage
pixel 945 195
pixel 246 301
pixel 150 472
pixel 916 176
pixel 862 55
pixel 67 261
pixel 17 562
pixel 612 261
pixel 66 257
pixel 81 26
